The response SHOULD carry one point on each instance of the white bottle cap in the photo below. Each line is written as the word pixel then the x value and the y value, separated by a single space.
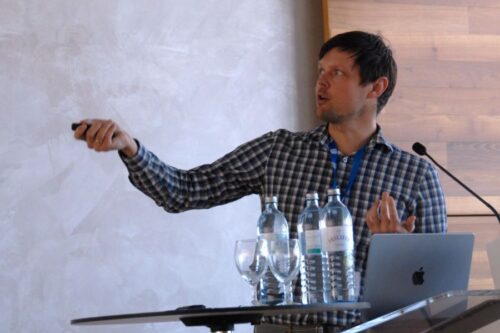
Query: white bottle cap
pixel 312 196
pixel 334 191
pixel 271 199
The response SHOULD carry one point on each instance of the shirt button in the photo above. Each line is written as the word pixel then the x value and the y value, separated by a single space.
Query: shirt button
pixel 345 159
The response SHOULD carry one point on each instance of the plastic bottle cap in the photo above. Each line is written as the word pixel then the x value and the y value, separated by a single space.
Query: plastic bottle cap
pixel 273 199
pixel 334 191
pixel 312 196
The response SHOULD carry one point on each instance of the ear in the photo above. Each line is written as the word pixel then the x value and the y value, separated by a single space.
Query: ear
pixel 378 87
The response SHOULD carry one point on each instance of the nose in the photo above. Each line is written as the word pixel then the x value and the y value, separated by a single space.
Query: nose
pixel 322 80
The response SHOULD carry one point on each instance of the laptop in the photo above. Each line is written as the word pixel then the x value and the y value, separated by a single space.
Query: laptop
pixel 406 268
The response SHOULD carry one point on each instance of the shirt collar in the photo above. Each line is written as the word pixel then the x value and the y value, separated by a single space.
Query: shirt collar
pixel 377 141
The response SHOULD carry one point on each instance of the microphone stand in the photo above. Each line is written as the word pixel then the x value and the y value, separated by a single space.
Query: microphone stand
pixel 424 152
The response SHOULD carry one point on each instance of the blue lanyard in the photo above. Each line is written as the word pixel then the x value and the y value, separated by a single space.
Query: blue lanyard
pixel 358 157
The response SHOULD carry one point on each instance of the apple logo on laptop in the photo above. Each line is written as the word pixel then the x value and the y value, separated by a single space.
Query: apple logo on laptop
pixel 418 277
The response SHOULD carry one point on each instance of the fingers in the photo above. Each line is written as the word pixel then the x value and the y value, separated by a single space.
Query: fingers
pixel 99 134
pixel 393 212
pixel 104 136
pixel 91 136
pixel 111 129
pixel 383 217
pixel 372 217
pixel 79 133
pixel 409 224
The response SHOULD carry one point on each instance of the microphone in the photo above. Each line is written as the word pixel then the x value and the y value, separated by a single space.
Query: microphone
pixel 421 150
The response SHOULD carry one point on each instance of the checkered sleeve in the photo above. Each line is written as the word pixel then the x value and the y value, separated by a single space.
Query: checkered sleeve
pixel 236 174
pixel 430 204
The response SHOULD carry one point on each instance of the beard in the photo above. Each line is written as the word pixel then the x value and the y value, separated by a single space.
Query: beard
pixel 334 117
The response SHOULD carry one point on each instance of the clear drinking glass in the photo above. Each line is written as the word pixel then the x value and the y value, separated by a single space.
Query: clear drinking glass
pixel 284 258
pixel 250 256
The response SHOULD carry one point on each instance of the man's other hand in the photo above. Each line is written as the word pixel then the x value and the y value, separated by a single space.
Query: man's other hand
pixel 383 217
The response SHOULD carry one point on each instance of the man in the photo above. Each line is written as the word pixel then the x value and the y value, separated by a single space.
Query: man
pixel 386 189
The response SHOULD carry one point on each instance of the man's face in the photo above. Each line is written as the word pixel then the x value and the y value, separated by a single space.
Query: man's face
pixel 339 95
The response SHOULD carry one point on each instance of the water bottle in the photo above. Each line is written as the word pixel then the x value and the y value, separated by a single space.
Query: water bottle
pixel 272 225
pixel 338 242
pixel 315 278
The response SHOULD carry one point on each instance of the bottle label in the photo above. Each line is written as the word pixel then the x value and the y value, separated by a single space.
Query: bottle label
pixel 313 241
pixel 338 238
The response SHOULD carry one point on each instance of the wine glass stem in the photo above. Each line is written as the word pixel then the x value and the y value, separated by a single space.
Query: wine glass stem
pixel 287 292
pixel 255 300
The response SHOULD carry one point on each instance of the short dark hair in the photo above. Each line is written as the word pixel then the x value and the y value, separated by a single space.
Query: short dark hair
pixel 372 56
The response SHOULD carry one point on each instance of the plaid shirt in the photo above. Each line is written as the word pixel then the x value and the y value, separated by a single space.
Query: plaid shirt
pixel 289 165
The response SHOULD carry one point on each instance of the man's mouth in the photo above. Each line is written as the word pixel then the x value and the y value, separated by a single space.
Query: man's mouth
pixel 321 98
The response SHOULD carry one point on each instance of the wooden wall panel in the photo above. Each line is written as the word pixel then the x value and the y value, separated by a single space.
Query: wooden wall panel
pixel 485 153
pixel 411 18
pixel 432 47
pixel 484 20
pixel 451 101
pixel 449 3
pixel 450 74
pixel 447 95
pixel 469 205
pixel 447 128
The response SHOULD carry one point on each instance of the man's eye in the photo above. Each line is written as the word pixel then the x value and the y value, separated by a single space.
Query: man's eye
pixel 330 73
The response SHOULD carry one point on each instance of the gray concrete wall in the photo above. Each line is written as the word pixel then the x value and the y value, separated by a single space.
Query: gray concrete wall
pixel 192 80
